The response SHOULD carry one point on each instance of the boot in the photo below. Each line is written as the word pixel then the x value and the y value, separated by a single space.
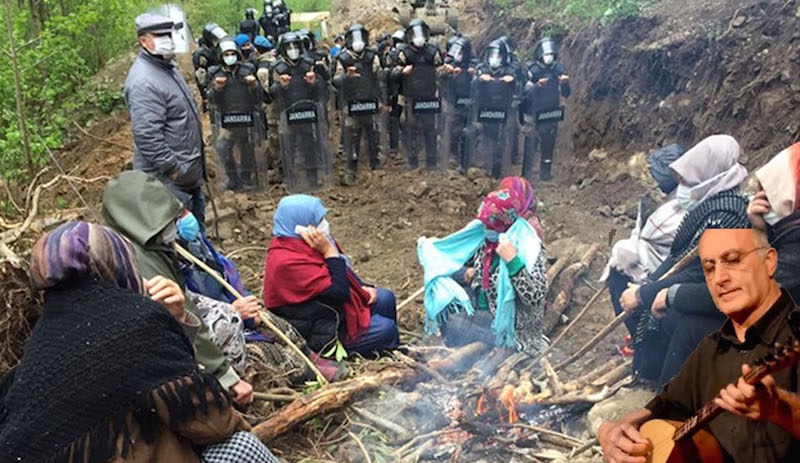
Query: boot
pixel 544 170
pixel 351 174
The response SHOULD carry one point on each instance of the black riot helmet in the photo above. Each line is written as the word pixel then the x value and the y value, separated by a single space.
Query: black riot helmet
pixel 496 54
pixel 417 33
pixel 212 34
pixel 459 50
pixel 546 51
pixel 398 37
pixel 250 13
pixel 509 44
pixel 290 46
pixel 308 38
pixel 268 9
pixel 357 38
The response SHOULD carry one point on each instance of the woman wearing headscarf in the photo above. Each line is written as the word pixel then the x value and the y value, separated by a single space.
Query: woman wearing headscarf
pixel 709 176
pixel 112 373
pixel 487 282
pixel 311 283
pixel 634 258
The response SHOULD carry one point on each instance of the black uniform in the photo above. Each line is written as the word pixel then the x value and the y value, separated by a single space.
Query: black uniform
pixel 419 96
pixel 202 59
pixel 542 98
pixel 456 90
pixel 393 94
pixel 489 115
pixel 237 104
pixel 361 98
pixel 249 27
pixel 269 25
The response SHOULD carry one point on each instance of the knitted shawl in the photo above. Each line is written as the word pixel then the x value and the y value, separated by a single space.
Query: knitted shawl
pixel 95 359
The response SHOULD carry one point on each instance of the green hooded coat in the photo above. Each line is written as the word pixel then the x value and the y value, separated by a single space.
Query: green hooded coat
pixel 139 206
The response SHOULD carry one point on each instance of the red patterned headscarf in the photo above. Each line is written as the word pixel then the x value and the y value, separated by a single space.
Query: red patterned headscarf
pixel 524 188
pixel 498 212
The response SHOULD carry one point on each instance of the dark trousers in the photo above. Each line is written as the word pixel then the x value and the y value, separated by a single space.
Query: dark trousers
pixel 383 334
pixel 617 284
pixel 544 141
pixel 460 329
pixel 197 205
pixel 420 126
pixel 225 144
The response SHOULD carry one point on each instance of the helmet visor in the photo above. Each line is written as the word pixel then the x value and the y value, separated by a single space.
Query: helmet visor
pixel 494 58
pixel 548 47
pixel 357 40
pixel 456 52
pixel 418 36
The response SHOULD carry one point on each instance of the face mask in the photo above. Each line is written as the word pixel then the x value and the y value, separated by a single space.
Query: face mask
pixel 492 236
pixel 246 52
pixel 548 59
pixel 293 53
pixel 495 62
pixel 164 47
pixel 169 233
pixel 772 217
pixel 418 42
pixel 324 227
pixel 684 196
pixel 230 60
pixel 358 47
pixel 188 227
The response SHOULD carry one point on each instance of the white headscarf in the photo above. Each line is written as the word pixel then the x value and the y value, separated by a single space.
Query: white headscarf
pixel 711 167
pixel 780 178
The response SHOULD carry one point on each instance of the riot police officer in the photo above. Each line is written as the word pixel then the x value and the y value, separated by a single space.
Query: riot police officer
pixel 298 91
pixel 283 16
pixel 492 92
pixel 357 80
pixel 547 83
pixel 268 22
pixel 393 86
pixel 456 74
pixel 204 57
pixel 520 76
pixel 417 65
pixel 249 26
pixel 266 57
pixel 236 96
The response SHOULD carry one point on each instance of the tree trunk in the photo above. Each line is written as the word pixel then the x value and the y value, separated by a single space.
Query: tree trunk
pixel 23 127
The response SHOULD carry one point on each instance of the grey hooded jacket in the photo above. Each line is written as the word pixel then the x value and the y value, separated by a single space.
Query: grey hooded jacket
pixel 167 131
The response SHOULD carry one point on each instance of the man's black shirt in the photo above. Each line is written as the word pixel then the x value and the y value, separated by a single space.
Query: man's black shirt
pixel 716 363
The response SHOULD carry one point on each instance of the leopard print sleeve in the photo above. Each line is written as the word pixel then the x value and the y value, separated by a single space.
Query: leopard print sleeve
pixel 530 288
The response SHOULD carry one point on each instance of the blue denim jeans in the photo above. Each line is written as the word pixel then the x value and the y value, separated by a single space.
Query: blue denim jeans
pixel 382 334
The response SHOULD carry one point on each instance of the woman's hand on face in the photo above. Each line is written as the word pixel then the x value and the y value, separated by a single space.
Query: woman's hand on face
pixel 318 242
pixel 758 206
pixel 506 249
pixel 167 293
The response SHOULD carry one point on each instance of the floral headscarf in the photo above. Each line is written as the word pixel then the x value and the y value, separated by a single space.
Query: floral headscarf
pixel 524 188
pixel 499 210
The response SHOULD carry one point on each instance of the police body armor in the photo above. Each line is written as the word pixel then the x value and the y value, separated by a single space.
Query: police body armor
pixel 486 140
pixel 420 91
pixel 456 105
pixel 303 130
pixel 237 120
pixel 269 25
pixel 393 89
pixel 361 91
pixel 542 109
pixel 249 27
pixel 202 59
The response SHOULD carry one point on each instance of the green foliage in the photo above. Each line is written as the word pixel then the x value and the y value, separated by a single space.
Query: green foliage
pixel 229 13
pixel 572 12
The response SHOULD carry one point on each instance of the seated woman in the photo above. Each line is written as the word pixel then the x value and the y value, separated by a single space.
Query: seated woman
pixel 232 321
pixel 634 258
pixel 108 374
pixel 310 282
pixel 487 282
pixel 709 177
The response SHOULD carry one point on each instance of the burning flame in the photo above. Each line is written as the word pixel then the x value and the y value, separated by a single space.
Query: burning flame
pixel 511 396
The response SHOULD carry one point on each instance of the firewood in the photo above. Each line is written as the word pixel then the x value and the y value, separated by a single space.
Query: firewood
pixel 571 275
pixel 614 375
pixel 552 376
pixel 588 378
pixel 337 395
pixel 576 319
pixel 556 268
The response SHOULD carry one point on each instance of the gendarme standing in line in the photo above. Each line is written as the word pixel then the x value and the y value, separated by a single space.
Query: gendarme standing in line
pixel 166 126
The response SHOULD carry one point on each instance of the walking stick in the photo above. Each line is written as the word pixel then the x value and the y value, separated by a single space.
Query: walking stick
pixel 621 317
pixel 264 317
pixel 410 298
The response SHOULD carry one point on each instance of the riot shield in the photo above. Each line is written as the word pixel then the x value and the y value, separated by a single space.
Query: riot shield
pixel 305 149
pixel 422 111
pixel 487 135
pixel 240 150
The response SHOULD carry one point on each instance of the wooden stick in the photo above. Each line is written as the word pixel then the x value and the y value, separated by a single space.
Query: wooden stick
pixel 549 432
pixel 264 317
pixel 556 268
pixel 552 376
pixel 381 422
pixel 575 320
pixel 614 375
pixel 553 313
pixel 622 316
pixel 361 446
pixel 410 298
pixel 580 449
pixel 275 397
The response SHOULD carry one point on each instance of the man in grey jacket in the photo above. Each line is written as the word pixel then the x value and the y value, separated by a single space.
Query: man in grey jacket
pixel 167 131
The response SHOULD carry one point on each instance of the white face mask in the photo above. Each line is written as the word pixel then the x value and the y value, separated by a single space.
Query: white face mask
pixel 358 47
pixel 418 42
pixel 495 62
pixel 548 58
pixel 772 217
pixel 230 60
pixel 684 196
pixel 164 46
pixel 324 227
pixel 293 53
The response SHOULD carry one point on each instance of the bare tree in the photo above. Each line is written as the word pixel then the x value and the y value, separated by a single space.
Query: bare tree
pixel 12 52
